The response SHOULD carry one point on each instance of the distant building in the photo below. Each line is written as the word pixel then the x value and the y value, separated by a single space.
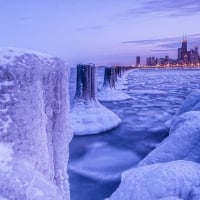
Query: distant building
pixel 138 61
pixel 184 51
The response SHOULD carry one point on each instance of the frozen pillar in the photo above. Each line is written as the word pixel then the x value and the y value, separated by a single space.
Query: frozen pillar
pixel 109 77
pixel 86 83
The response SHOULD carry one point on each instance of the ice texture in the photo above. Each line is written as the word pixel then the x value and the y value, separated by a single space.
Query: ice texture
pixel 160 181
pixel 34 126
pixel 182 142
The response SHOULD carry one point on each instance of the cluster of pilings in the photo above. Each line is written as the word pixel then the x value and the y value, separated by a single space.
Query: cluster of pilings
pixel 86 80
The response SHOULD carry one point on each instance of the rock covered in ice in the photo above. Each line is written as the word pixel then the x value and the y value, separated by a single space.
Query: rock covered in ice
pixel 191 103
pixel 34 122
pixel 161 181
pixel 182 142
pixel 92 118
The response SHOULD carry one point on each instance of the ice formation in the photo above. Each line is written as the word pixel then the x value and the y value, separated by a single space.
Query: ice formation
pixel 34 126
pixel 112 89
pixel 161 181
pixel 88 116
pixel 182 142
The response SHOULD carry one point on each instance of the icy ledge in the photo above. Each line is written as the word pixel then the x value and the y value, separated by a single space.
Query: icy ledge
pixel 92 118
pixel 162 181
pixel 34 126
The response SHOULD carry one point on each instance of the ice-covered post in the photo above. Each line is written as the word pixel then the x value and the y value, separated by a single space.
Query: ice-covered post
pixel 34 125
pixel 109 77
pixel 86 83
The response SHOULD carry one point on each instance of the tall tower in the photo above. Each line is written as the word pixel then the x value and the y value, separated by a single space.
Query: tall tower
pixel 184 48
pixel 137 61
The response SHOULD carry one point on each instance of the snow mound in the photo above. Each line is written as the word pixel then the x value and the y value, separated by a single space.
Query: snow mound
pixel 173 180
pixel 92 118
pixel 191 103
pixel 182 142
pixel 112 94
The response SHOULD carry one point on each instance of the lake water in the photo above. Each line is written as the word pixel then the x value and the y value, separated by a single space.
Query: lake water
pixel 97 161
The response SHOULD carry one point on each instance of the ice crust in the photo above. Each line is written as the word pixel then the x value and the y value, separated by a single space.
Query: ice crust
pixel 161 181
pixel 92 118
pixel 34 126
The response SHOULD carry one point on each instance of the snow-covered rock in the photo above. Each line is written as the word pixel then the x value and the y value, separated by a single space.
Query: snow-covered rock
pixel 162 181
pixel 191 103
pixel 182 142
pixel 34 125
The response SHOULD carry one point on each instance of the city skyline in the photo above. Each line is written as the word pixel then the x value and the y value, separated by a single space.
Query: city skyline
pixel 185 57
pixel 103 32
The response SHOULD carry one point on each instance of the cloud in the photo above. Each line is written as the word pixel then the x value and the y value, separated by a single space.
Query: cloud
pixel 170 8
pixel 168 42
pixel 25 18
pixel 91 28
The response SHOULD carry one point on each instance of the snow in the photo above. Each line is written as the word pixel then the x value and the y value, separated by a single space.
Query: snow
pixel 172 180
pixel 92 118
pixel 34 125
pixel 181 144
pixel 8 55
pixel 112 94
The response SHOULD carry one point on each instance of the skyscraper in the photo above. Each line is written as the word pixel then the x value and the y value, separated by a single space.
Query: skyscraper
pixel 137 61
pixel 184 49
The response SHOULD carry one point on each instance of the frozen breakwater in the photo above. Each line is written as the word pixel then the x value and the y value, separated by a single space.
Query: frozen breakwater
pixel 34 126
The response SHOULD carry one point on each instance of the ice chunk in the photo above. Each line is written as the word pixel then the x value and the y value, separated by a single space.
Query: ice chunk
pixel 173 180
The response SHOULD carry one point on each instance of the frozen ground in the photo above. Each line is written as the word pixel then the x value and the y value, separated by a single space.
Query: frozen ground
pixel 156 96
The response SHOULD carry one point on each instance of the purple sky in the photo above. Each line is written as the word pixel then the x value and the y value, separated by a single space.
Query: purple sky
pixel 102 32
